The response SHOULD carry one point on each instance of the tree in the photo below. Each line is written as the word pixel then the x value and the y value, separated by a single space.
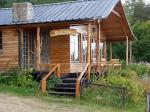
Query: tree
pixel 141 46
pixel 138 15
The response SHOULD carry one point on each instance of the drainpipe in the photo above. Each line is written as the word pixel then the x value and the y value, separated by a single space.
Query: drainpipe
pixel 19 47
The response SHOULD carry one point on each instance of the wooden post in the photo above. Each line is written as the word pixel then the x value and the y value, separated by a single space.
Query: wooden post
pixel 77 88
pixel 98 46
pixel 43 86
pixel 127 51
pixel 105 50
pixel 89 48
pixel 58 71
pixel 38 48
pixel 28 41
pixel 110 44
pixel 22 54
pixel 80 48
pixel 130 51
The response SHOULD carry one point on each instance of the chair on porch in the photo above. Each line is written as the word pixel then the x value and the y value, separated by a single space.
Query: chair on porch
pixel 115 63
pixel 103 63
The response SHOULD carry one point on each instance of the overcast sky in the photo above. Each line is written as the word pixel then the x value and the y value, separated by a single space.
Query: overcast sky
pixel 147 1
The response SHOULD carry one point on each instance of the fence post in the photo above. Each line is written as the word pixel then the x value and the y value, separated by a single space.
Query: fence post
pixel 123 98
pixel 148 102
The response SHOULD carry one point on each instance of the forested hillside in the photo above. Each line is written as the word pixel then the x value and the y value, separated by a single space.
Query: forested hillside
pixel 8 3
pixel 138 15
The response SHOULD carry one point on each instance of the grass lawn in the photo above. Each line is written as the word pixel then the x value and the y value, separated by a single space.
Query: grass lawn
pixel 65 102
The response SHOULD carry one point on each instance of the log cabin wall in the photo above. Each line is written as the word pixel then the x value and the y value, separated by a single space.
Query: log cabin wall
pixel 9 51
pixel 59 49
pixel 60 52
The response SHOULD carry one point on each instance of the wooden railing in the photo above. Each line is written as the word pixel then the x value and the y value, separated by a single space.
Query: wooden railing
pixel 44 79
pixel 78 81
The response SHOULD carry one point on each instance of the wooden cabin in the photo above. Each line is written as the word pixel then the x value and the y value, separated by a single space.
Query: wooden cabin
pixel 69 37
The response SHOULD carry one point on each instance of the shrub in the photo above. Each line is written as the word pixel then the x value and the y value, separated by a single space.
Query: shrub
pixel 52 81
pixel 17 77
pixel 128 79
pixel 140 69
pixel 104 95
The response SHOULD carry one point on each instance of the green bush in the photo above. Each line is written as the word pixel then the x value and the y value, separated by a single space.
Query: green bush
pixel 126 78
pixel 104 95
pixel 52 81
pixel 140 69
pixel 17 77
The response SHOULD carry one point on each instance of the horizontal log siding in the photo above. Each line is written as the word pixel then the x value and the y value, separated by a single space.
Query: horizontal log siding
pixel 9 53
pixel 60 52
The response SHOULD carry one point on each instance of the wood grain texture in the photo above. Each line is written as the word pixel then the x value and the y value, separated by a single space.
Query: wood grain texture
pixel 9 53
pixel 60 52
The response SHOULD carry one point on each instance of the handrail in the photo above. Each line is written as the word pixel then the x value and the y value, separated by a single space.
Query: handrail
pixel 43 80
pixel 79 79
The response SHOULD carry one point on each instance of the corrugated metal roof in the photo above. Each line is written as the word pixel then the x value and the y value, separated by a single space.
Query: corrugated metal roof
pixel 67 11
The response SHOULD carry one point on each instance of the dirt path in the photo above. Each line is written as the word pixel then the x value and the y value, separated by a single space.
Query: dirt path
pixel 17 104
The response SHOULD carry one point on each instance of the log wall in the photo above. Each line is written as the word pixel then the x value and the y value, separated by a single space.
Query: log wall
pixel 9 52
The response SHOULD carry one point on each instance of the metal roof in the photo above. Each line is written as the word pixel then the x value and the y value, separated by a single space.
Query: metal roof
pixel 65 11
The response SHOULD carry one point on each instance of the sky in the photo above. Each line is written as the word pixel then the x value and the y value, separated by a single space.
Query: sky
pixel 147 1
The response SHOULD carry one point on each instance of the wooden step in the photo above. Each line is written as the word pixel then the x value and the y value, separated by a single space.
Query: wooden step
pixel 64 88
pixel 69 80
pixel 66 85
pixel 61 93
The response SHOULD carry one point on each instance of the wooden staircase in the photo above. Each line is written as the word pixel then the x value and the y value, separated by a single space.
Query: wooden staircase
pixel 72 83
pixel 67 87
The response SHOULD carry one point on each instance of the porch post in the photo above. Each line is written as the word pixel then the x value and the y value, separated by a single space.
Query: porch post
pixel 89 48
pixel 127 50
pixel 21 40
pixel 105 50
pixel 81 47
pixel 38 48
pixel 130 52
pixel 98 46
pixel 110 44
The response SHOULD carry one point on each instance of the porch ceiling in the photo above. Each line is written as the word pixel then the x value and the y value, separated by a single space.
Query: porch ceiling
pixel 116 27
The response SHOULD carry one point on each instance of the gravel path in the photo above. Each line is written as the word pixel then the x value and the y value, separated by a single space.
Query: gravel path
pixel 18 104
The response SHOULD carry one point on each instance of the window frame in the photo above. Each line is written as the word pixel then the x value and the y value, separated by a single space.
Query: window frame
pixel 75 44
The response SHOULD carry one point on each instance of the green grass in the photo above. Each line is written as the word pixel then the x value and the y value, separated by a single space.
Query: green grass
pixel 87 106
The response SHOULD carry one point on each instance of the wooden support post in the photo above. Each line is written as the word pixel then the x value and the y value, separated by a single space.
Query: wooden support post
pixel 43 86
pixel 130 52
pixel 58 71
pixel 78 88
pixel 105 50
pixel 89 48
pixel 98 46
pixel 80 48
pixel 21 40
pixel 38 48
pixel 127 50
pixel 110 44
pixel 28 41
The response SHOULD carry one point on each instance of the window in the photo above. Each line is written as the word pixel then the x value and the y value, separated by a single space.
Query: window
pixel 93 50
pixel 84 48
pixel 1 40
pixel 74 48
